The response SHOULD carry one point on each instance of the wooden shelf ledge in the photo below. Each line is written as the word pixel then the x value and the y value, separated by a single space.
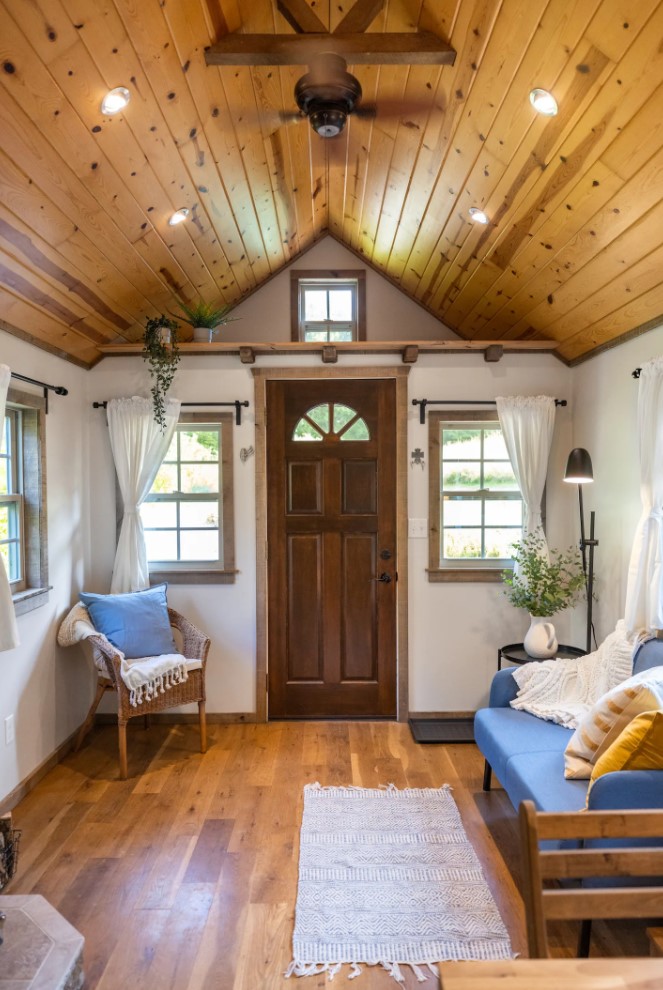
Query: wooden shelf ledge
pixel 408 351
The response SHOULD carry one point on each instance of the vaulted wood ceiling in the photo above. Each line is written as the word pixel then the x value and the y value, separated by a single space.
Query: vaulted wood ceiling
pixel 574 247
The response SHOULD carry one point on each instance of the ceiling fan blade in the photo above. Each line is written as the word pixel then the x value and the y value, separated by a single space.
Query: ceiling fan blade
pixel 401 110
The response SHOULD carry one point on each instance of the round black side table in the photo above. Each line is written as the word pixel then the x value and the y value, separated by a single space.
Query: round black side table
pixel 516 653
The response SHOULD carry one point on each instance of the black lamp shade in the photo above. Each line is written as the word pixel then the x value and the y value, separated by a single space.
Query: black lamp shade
pixel 579 469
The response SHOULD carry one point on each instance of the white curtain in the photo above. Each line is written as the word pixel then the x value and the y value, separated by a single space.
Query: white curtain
pixel 644 589
pixel 8 630
pixel 527 426
pixel 139 446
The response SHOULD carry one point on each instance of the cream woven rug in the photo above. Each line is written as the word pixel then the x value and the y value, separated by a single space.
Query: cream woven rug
pixel 388 877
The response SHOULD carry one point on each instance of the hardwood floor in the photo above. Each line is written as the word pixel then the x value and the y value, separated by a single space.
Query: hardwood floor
pixel 183 877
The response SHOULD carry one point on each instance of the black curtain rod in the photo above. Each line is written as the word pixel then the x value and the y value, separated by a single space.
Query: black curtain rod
pixel 422 403
pixel 58 389
pixel 237 404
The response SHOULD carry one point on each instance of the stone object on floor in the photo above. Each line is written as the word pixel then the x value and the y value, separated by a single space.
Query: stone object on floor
pixel 41 950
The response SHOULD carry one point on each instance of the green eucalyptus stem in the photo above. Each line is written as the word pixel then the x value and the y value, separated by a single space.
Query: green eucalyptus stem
pixel 543 584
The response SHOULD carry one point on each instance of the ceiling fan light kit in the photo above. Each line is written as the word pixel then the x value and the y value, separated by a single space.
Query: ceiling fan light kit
pixel 115 100
pixel 327 94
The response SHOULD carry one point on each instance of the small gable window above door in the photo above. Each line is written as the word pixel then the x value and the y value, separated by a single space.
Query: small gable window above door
pixel 328 307
pixel 331 421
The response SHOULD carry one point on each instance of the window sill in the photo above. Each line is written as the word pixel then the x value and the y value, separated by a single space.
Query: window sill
pixel 30 599
pixel 465 574
pixel 193 576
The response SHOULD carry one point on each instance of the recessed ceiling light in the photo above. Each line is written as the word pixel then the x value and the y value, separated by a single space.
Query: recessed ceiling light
pixel 179 216
pixel 115 100
pixel 543 102
pixel 478 215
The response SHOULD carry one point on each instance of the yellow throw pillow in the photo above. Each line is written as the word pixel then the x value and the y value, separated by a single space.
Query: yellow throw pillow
pixel 639 747
pixel 604 722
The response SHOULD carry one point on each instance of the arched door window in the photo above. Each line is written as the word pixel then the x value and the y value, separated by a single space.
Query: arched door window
pixel 331 421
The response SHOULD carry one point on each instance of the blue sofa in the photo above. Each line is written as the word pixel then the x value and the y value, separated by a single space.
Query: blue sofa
pixel 527 754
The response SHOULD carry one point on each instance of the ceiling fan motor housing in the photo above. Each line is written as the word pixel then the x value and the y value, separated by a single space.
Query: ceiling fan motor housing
pixel 327 94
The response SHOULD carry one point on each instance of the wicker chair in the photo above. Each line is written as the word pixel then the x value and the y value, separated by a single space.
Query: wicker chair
pixel 195 646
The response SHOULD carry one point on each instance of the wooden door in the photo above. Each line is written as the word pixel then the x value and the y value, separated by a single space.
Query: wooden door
pixel 331 548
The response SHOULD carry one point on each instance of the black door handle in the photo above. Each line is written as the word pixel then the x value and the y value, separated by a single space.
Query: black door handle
pixel 383 579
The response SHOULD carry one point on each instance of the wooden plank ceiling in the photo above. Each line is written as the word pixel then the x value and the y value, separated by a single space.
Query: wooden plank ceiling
pixel 574 248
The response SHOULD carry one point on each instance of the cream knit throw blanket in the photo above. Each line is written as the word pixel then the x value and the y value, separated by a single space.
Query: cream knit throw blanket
pixel 562 691
pixel 145 677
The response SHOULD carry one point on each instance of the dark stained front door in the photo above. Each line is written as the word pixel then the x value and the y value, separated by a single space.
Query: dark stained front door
pixel 331 548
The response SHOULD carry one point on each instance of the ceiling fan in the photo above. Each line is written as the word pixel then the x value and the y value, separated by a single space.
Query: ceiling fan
pixel 328 94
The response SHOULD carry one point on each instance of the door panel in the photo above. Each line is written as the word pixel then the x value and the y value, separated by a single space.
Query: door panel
pixel 304 608
pixel 331 512
pixel 359 614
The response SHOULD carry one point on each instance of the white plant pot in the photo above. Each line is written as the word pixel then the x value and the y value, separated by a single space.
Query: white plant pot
pixel 164 335
pixel 203 335
pixel 540 641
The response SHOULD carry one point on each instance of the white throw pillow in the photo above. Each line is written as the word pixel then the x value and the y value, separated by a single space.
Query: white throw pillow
pixel 605 720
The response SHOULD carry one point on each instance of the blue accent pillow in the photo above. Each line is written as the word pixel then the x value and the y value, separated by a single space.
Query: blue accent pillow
pixel 136 623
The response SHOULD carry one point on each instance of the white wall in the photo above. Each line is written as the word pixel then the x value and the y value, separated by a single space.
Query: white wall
pixel 605 423
pixel 455 629
pixel 265 315
pixel 46 688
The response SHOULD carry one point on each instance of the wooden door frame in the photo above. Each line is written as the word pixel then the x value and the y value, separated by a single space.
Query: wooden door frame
pixel 398 374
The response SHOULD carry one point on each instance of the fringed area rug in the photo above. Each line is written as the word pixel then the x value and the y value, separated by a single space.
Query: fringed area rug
pixel 388 877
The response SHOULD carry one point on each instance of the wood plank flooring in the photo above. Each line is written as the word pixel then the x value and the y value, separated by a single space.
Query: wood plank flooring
pixel 184 876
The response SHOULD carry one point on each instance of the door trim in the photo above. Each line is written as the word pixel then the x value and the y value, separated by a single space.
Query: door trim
pixel 399 375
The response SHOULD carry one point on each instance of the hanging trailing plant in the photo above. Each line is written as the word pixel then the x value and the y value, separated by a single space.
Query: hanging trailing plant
pixel 161 352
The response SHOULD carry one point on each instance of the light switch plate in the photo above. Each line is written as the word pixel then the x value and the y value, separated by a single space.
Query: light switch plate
pixel 417 529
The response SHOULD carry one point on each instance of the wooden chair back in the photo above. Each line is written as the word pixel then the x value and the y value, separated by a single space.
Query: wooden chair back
pixel 583 903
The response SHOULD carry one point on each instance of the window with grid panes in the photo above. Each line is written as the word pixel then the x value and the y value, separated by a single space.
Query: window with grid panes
pixel 328 308
pixel 476 507
pixel 23 524
pixel 187 516
pixel 12 529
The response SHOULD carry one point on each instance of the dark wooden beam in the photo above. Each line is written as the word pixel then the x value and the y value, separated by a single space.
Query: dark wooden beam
pixel 360 16
pixel 416 48
pixel 300 16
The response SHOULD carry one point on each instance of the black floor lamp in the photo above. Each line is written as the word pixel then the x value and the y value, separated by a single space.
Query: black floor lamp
pixel 579 472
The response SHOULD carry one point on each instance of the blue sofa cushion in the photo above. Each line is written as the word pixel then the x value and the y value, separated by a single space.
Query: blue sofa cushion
pixel 539 777
pixel 501 733
pixel 135 623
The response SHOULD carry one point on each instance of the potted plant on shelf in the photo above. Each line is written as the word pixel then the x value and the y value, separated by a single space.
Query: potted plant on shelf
pixel 544 585
pixel 161 352
pixel 205 318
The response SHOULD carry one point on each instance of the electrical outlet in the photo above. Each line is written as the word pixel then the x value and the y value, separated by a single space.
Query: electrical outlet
pixel 417 529
pixel 9 730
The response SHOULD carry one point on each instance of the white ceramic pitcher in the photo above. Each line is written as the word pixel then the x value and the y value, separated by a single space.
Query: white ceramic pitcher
pixel 540 640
